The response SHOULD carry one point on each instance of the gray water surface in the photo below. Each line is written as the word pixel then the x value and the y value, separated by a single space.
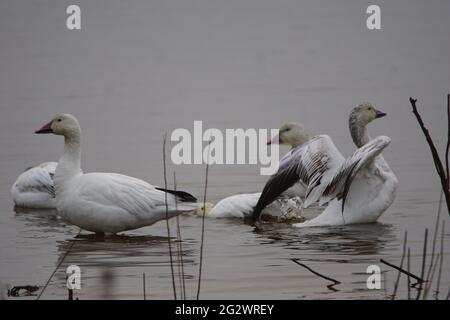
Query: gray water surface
pixel 139 69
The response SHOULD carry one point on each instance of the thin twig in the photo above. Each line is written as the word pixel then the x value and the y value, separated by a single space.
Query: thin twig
pixel 178 240
pixel 183 281
pixel 448 142
pixel 203 231
pixel 420 280
pixel 430 281
pixel 58 265
pixel 433 249
pixel 424 258
pixel 436 231
pixel 405 240
pixel 437 161
pixel 180 247
pixel 335 282
pixel 408 266
pixel 167 219
pixel 143 286
pixel 69 291
pixel 436 296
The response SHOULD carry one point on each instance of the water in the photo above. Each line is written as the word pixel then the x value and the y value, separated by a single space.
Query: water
pixel 139 69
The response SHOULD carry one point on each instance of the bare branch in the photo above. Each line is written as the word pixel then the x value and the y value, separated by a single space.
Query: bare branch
pixel 437 161
pixel 335 282
pixel 420 280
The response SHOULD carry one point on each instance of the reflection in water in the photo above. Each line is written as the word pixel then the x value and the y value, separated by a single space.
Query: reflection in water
pixel 363 239
pixel 112 267
pixel 108 281
pixel 45 220
pixel 342 253
pixel 90 250
pixel 229 81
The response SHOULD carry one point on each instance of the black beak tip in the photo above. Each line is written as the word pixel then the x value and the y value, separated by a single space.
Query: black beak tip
pixel 380 114
pixel 45 129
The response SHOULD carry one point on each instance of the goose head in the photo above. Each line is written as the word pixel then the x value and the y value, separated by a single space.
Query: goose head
pixel 365 113
pixel 204 207
pixel 62 124
pixel 292 134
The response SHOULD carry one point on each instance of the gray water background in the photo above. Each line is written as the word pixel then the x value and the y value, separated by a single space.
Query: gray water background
pixel 139 69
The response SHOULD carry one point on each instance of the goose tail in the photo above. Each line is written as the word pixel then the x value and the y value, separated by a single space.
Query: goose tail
pixel 181 196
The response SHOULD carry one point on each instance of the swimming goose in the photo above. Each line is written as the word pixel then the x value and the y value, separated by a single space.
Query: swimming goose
pixel 357 189
pixel 283 209
pixel 288 207
pixel 106 202
pixel 34 187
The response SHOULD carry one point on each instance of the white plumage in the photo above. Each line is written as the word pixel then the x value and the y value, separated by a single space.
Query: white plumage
pixel 287 207
pixel 235 206
pixel 106 202
pixel 34 187
pixel 357 189
pixel 242 205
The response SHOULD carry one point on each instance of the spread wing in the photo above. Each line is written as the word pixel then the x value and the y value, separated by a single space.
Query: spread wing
pixel 338 184
pixel 311 163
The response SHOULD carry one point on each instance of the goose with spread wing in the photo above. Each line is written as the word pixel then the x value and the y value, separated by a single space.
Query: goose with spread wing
pixel 287 207
pixel 106 202
pixel 292 134
pixel 33 188
pixel 356 190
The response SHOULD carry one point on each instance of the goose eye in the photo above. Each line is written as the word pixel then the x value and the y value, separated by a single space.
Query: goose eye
pixel 59 120
pixel 287 129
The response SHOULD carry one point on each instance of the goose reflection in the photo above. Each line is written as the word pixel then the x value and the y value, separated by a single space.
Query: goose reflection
pixel 336 242
pixel 45 220
pixel 113 267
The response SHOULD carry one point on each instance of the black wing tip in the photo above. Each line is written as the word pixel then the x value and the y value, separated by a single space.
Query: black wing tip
pixel 181 195
pixel 252 218
pixel 255 214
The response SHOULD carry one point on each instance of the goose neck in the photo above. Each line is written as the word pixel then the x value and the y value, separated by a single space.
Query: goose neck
pixel 302 139
pixel 70 160
pixel 359 132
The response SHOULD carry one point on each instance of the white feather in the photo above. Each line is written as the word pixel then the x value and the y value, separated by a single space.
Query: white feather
pixel 34 187
pixel 110 202
pixel 357 189
pixel 242 205
pixel 106 202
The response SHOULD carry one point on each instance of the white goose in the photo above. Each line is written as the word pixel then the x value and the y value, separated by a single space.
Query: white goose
pixel 357 189
pixel 294 135
pixel 288 207
pixel 106 202
pixel 34 187
pixel 283 209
